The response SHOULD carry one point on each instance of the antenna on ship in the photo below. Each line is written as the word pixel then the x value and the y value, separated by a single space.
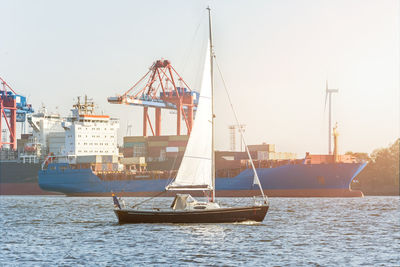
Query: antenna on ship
pixel 329 92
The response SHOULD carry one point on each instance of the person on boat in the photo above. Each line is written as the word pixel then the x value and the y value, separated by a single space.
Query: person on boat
pixel 116 202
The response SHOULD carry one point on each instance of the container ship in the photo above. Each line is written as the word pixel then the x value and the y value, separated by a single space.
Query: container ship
pixel 92 165
pixel 79 155
pixel 19 167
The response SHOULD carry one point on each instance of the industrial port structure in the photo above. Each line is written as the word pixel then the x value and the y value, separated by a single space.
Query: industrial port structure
pixel 161 88
pixel 13 109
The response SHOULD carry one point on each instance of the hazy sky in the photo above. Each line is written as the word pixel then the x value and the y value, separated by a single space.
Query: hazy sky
pixel 275 57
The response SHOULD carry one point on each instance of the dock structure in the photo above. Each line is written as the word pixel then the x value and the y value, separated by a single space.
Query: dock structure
pixel 13 109
pixel 161 88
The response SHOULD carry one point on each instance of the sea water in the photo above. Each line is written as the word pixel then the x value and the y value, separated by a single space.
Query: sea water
pixel 69 231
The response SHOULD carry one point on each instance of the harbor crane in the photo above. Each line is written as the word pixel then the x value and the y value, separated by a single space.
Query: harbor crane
pixel 13 109
pixel 161 88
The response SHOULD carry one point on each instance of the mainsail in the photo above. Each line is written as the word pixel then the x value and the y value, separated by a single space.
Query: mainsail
pixel 195 171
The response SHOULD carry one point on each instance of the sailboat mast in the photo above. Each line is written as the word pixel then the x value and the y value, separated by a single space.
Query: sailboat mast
pixel 212 106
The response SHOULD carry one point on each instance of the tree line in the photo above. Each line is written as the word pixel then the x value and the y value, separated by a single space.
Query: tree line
pixel 381 175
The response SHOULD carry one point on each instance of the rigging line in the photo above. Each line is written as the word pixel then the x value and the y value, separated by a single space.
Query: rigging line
pixel 170 179
pixel 148 199
pixel 188 52
pixel 240 128
pixel 199 69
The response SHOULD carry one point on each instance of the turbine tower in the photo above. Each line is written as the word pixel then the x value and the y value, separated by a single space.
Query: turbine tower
pixel 329 92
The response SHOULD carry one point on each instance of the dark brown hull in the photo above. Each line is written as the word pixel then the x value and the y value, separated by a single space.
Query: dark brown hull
pixel 223 215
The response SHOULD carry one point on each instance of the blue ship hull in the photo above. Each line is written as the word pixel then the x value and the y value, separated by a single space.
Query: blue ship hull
pixel 293 180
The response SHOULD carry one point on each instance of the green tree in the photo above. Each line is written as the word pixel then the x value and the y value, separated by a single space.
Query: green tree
pixel 381 175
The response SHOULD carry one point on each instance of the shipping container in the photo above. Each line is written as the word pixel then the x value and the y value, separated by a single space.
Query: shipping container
pixel 172 149
pixel 88 159
pixel 262 155
pixel 109 166
pixel 227 164
pixel 128 152
pixel 104 167
pixel 172 154
pixel 158 138
pixel 133 139
pixel 107 159
pixel 281 156
pixel 115 167
pixel 157 143
pixel 263 147
pixel 154 149
pixel 178 138
pixel 134 144
pixel 96 166
pixel 177 143
pixel 154 153
pixel 139 151
pixel 271 148
pixel 133 160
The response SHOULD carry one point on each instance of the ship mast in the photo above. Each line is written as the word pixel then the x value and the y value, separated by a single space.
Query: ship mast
pixel 212 106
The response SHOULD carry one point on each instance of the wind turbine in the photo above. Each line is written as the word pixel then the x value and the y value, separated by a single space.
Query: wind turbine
pixel 329 92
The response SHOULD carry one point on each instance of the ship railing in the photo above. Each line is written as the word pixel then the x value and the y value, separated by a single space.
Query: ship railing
pixel 8 155
pixel 127 175
pixel 52 158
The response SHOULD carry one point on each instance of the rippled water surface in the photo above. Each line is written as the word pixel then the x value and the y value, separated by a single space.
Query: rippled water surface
pixel 65 231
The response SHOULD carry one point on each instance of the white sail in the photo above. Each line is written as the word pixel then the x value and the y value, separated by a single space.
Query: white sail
pixel 195 170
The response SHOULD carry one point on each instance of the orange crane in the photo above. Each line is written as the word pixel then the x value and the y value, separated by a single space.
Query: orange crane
pixel 158 89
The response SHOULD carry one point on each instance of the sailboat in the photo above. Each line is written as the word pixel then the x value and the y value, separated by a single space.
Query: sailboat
pixel 197 172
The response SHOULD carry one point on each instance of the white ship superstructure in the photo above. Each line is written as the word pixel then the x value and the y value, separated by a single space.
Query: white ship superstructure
pixel 44 126
pixel 88 134
pixel 44 123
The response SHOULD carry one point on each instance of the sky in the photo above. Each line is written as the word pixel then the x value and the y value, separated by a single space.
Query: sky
pixel 275 56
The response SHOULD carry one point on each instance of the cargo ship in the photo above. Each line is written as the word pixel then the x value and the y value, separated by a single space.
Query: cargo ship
pixel 19 168
pixel 93 165
pixel 287 180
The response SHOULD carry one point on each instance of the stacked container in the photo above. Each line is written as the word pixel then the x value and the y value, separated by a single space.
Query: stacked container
pixel 176 145
pixel 155 148
pixel 135 146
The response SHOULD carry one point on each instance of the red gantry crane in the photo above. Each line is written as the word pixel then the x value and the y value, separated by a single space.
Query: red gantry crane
pixel 158 89
pixel 13 109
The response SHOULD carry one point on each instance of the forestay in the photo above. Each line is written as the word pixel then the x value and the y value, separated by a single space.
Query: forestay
pixel 195 170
